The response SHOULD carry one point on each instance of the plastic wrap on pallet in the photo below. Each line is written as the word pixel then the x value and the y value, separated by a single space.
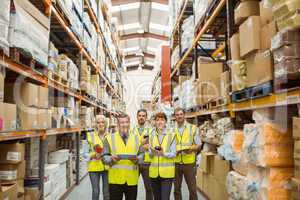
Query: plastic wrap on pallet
pixel 187 36
pixel 286 67
pixel 285 37
pixel 238 74
pixel 200 6
pixel 232 146
pixel 239 187
pixel 28 34
pixel 4 24
pixel 264 145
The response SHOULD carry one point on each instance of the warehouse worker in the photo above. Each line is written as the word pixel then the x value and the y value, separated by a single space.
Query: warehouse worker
pixel 122 154
pixel 162 151
pixel 188 144
pixel 141 130
pixel 96 167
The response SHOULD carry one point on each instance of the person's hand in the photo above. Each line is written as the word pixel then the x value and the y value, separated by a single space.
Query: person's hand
pixel 146 147
pixel 145 141
pixel 133 159
pixel 115 158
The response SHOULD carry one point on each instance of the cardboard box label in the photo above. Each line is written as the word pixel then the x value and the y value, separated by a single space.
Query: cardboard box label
pixel 8 175
pixel 14 156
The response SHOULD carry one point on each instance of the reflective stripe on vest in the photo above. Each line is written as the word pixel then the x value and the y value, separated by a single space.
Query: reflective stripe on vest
pixel 162 166
pixel 95 165
pixel 185 158
pixel 123 171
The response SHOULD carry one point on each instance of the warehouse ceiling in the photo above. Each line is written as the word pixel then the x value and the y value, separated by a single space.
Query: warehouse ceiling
pixel 142 26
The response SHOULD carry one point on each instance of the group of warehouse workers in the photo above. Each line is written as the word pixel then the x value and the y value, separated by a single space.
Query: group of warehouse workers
pixel 161 155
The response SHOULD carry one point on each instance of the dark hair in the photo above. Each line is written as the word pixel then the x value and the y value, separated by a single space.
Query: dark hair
pixel 142 110
pixel 122 116
pixel 160 115
pixel 178 110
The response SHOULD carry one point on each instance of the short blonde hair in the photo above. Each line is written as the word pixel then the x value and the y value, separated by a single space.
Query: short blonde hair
pixel 102 117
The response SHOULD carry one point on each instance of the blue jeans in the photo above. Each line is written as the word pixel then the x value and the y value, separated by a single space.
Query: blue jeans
pixel 95 181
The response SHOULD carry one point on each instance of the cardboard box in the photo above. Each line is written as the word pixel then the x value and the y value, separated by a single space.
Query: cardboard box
pixel 21 94
pixel 200 177
pixel 20 186
pixel 221 169
pixel 249 35
pixel 259 68
pixel 32 193
pixel 244 10
pixel 2 78
pixel 28 117
pixel 211 89
pixel 207 162
pixel 265 11
pixel 238 75
pixel 268 31
pixel 8 192
pixel 8 117
pixel 225 84
pixel 12 153
pixel 43 97
pixel 209 71
pixel 12 172
pixel 296 128
pixel 235 47
pixel 44 118
pixel 295 189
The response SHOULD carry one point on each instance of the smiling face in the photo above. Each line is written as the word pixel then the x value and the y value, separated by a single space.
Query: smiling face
pixel 101 125
pixel 124 124
pixel 179 117
pixel 160 123
pixel 141 118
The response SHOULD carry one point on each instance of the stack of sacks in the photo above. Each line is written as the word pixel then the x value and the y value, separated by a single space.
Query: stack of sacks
pixel 4 21
pixel 232 145
pixel 286 13
pixel 239 187
pixel 187 36
pixel 268 149
pixel 29 30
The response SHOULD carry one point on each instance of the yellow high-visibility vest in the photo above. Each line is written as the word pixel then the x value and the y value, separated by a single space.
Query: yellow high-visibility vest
pixel 146 131
pixel 161 166
pixel 185 141
pixel 123 171
pixel 95 165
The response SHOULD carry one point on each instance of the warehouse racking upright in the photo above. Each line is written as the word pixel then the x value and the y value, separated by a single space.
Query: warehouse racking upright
pixel 220 21
pixel 67 42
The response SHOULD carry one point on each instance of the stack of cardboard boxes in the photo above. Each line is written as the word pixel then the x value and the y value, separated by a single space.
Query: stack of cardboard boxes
pixel 212 82
pixel 85 77
pixel 211 176
pixel 12 167
pixel 296 179
pixel 32 105
pixel 252 61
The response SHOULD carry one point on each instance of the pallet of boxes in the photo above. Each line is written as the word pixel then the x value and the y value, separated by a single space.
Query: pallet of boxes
pixel 12 170
pixel 265 50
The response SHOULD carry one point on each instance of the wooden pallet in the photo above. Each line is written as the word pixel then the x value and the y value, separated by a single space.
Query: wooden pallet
pixel 22 57
pixel 56 77
pixel 218 102
pixel 287 83
pixel 254 92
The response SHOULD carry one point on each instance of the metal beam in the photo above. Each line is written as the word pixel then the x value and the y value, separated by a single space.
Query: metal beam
pixel 148 55
pixel 144 35
pixel 120 2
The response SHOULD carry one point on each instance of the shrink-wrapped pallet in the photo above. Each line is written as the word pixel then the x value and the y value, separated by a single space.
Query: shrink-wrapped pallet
pixel 4 24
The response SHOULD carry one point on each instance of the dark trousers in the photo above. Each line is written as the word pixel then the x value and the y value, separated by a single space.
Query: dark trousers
pixel 95 181
pixel 116 192
pixel 144 170
pixel 189 173
pixel 161 188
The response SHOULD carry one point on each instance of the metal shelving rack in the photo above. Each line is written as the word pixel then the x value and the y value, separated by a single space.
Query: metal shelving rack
pixel 42 79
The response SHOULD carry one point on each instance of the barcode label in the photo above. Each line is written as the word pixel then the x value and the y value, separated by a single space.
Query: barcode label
pixel 8 175
pixel 13 156
pixel 293 99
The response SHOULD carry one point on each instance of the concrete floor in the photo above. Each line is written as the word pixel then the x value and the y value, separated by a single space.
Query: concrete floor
pixel 83 192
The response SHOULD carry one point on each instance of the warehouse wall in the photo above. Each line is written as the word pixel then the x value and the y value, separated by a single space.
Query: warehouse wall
pixel 137 87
